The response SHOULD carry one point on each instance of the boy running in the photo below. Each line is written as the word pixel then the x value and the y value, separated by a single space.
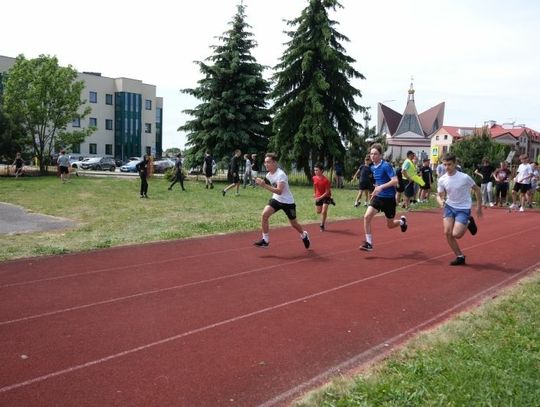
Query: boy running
pixel 322 193
pixel 281 199
pixel 383 197
pixel 454 196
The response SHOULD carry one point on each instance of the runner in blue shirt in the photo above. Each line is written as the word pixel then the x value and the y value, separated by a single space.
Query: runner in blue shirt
pixel 383 197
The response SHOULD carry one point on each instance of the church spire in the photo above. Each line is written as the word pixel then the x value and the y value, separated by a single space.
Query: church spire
pixel 411 91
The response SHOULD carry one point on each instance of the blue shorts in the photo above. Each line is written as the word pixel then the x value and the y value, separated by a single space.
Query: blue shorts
pixel 459 215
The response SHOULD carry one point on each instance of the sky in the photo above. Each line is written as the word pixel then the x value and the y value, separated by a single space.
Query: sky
pixel 480 57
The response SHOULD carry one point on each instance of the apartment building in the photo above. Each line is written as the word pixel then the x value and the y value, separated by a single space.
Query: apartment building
pixel 126 114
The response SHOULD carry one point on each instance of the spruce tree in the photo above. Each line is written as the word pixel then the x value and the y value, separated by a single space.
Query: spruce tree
pixel 232 113
pixel 314 102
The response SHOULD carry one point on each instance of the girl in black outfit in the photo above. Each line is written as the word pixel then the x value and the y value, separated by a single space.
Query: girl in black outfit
pixel 142 169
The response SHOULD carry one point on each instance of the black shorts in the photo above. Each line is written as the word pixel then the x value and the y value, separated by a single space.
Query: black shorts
pixel 233 179
pixel 64 170
pixel 326 200
pixel 409 190
pixel 289 209
pixel 385 205
pixel 366 186
pixel 523 188
pixel 426 186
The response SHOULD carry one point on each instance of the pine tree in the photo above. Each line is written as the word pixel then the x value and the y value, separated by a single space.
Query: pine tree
pixel 233 112
pixel 314 102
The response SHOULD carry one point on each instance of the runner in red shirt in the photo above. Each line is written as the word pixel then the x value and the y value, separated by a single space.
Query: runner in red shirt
pixel 322 193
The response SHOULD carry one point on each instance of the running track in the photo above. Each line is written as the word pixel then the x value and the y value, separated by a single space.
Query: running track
pixel 216 322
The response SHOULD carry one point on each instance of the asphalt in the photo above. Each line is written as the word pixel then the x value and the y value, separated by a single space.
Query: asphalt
pixel 16 220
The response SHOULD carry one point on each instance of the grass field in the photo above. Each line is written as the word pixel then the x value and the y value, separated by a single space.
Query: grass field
pixel 489 357
pixel 109 212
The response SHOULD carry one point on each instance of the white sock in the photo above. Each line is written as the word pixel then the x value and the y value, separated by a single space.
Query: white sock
pixel 303 234
pixel 369 238
pixel 266 237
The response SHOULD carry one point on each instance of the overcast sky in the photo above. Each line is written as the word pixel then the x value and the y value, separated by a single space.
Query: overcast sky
pixel 481 57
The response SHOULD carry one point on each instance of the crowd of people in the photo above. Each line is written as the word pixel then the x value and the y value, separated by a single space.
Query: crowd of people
pixel 382 187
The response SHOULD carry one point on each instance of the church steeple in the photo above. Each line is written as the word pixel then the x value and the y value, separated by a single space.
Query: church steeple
pixel 411 91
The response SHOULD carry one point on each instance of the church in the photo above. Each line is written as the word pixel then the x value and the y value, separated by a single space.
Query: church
pixel 410 130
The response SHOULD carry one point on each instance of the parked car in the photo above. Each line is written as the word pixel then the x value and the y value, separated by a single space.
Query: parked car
pixel 99 164
pixel 130 166
pixel 160 166
pixel 77 163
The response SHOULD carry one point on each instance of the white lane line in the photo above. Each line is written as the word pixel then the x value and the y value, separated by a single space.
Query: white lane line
pixel 372 352
pixel 182 286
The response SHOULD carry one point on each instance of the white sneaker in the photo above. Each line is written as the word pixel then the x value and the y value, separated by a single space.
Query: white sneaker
pixel 513 206
pixel 521 209
pixel 491 205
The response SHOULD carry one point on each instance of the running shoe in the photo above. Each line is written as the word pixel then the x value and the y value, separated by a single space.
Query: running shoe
pixel 306 241
pixel 458 261
pixel 366 247
pixel 403 224
pixel 472 226
pixel 321 227
pixel 261 243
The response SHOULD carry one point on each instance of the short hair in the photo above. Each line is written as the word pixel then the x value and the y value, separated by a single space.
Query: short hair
pixel 272 156
pixel 377 146
pixel 426 160
pixel 410 153
pixel 246 156
pixel 367 157
pixel 449 157
pixel 320 166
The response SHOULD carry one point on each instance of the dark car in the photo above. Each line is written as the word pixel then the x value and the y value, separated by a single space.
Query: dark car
pixel 99 164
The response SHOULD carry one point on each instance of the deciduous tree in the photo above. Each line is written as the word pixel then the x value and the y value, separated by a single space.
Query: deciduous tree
pixel 44 98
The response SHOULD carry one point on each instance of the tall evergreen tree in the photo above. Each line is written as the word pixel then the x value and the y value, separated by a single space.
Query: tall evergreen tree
pixel 233 112
pixel 314 102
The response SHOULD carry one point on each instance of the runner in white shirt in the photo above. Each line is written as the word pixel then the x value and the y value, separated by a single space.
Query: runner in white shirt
pixel 454 196
pixel 522 182
pixel 281 199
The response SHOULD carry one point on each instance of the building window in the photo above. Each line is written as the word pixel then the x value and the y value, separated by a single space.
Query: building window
pixel 76 122
pixel 148 127
pixel 93 97
pixel 92 122
pixel 148 104
pixel 446 136
pixel 108 149
pixel 76 148
pixel 93 148
pixel 108 124
pixel 148 150
pixel 437 138
pixel 108 99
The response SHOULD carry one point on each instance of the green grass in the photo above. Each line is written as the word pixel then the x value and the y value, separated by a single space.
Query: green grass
pixel 487 357
pixel 109 212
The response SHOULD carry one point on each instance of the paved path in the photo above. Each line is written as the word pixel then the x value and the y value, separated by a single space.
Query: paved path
pixel 15 219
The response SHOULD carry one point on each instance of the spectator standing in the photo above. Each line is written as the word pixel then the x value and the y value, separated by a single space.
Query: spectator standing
pixel 208 169
pixel 142 168
pixel 365 184
pixel 522 182
pixel 502 178
pixel 486 186
pixel 234 173
pixel 454 196
pixel 339 170
pixel 383 196
pixel 254 169
pixel 427 177
pixel 534 183
pixel 282 199
pixel 18 164
pixel 247 170
pixel 178 173
pixel 63 166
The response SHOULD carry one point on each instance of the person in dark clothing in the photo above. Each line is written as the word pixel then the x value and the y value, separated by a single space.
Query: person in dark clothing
pixel 18 164
pixel 255 168
pixel 427 176
pixel 234 173
pixel 485 171
pixel 365 186
pixel 208 169
pixel 178 173
pixel 142 169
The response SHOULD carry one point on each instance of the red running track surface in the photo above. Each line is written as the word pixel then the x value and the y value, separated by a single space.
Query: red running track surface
pixel 215 321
